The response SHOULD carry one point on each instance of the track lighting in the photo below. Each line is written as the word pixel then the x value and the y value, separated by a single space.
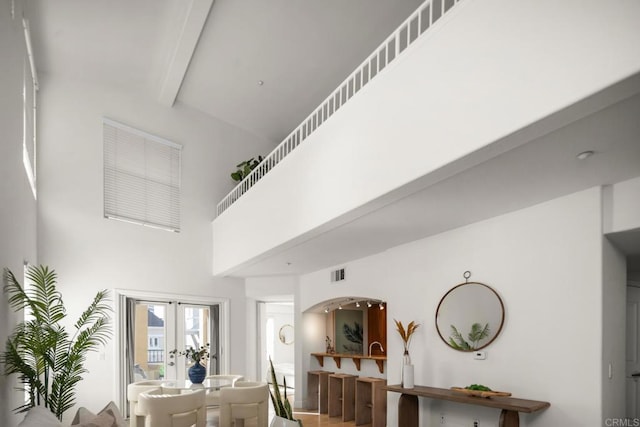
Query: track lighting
pixel 381 305
pixel 357 304
pixel 369 304
pixel 326 309
pixel 339 306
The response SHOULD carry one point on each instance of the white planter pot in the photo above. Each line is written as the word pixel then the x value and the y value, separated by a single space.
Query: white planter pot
pixel 283 422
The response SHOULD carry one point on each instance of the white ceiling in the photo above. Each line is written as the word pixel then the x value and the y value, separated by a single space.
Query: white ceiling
pixel 210 55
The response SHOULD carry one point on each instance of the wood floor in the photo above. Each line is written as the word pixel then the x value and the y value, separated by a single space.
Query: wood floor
pixel 309 419
pixel 315 419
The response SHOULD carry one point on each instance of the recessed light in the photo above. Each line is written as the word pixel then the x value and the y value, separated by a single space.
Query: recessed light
pixel 585 155
pixel 260 82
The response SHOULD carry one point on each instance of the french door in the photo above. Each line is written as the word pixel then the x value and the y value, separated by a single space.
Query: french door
pixel 151 326
pixel 161 327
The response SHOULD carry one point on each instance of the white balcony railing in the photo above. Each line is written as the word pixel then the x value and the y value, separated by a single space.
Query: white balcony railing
pixel 406 34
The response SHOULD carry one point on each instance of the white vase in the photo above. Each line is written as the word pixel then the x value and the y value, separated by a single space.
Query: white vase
pixel 283 422
pixel 407 376
pixel 406 360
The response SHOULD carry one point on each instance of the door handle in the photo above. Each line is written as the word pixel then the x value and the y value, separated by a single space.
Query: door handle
pixel 635 375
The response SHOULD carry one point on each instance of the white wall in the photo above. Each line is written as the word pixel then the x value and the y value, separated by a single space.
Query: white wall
pixel 90 252
pixel 623 205
pixel 546 264
pixel 18 208
pixel 405 124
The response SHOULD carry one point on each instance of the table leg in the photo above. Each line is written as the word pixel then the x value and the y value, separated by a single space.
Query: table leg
pixel 509 419
pixel 408 411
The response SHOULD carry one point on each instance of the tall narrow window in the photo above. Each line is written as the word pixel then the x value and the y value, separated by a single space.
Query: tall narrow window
pixel 29 91
pixel 141 177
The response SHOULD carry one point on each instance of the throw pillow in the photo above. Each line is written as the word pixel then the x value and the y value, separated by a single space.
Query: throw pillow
pixel 109 416
pixel 40 416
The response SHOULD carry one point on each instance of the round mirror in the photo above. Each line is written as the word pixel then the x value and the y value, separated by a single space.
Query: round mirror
pixel 469 316
pixel 286 334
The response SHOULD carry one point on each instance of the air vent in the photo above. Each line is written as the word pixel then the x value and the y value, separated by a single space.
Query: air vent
pixel 337 275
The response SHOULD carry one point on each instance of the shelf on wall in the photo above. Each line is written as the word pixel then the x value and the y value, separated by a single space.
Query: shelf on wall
pixel 357 358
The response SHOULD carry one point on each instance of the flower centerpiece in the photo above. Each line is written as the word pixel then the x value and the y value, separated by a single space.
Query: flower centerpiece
pixel 406 335
pixel 197 372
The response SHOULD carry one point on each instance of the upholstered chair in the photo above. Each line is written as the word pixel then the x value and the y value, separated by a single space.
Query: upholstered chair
pixel 245 400
pixel 133 391
pixel 213 396
pixel 173 410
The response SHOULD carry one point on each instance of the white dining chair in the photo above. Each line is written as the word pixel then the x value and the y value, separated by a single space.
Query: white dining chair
pixel 244 401
pixel 133 392
pixel 173 410
pixel 213 396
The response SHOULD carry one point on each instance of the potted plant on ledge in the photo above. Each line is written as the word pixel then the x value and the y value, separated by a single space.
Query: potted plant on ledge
pixel 281 405
pixel 245 168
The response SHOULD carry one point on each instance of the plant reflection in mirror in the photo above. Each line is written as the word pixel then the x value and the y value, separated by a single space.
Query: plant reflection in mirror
pixel 478 333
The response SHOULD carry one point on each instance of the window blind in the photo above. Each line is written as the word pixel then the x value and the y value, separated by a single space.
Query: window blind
pixel 141 177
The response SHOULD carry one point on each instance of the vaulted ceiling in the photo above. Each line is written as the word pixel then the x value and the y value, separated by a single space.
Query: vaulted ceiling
pixel 262 66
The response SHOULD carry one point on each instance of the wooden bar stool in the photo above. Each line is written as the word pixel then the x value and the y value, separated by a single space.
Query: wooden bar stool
pixel 342 396
pixel 318 390
pixel 371 402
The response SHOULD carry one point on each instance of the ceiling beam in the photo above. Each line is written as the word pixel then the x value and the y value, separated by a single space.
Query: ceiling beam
pixel 185 47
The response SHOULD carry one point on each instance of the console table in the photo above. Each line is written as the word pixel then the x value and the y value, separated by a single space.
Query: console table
pixel 509 417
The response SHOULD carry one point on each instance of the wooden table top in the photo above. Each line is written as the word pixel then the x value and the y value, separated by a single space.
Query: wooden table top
pixel 507 403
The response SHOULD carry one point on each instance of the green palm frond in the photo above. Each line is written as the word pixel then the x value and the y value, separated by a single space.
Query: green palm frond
pixel 478 332
pixel 457 341
pixel 46 302
pixel 49 363
pixel 98 309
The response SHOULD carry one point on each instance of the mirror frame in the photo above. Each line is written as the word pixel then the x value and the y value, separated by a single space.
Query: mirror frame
pixel 282 336
pixel 495 335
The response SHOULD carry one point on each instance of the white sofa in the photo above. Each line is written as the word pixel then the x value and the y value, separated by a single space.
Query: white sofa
pixel 109 416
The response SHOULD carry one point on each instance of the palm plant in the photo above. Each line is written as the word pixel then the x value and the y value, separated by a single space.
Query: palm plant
pixel 48 360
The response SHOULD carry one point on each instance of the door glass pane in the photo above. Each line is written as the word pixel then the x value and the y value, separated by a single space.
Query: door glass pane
pixel 150 341
pixel 197 329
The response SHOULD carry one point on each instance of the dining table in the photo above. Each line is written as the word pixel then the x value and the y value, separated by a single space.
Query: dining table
pixel 207 384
